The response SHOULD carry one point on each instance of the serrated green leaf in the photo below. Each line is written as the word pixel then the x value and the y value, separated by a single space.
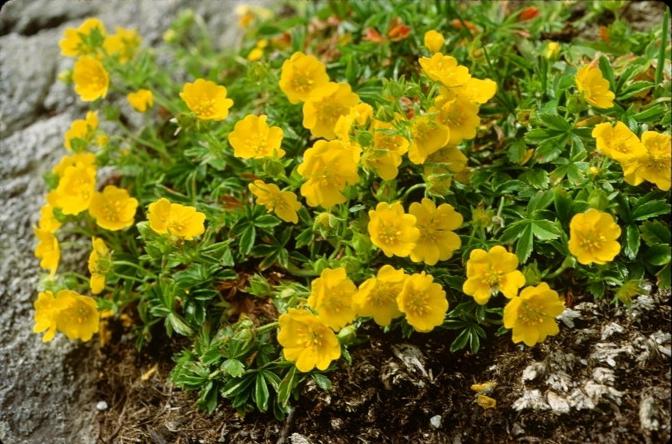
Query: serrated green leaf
pixel 545 230
pixel 631 241
pixel 233 367
pixel 261 393
pixel 247 239
pixel 525 244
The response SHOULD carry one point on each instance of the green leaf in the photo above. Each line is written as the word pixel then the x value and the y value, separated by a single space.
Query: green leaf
pixel 555 122
pixel 178 324
pixel 631 241
pixel 664 277
pixel 247 239
pixel 658 255
pixel 608 72
pixel 655 232
pixel 233 367
pixel 266 221
pixel 650 209
pixel 261 393
pixel 635 88
pixel 286 387
pixel 322 381
pixel 545 230
pixel 513 232
pixel 536 178
pixel 460 341
pixel 525 244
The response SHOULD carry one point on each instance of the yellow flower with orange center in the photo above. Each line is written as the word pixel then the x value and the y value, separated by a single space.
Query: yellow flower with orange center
pixel 253 138
pixel 331 296
pixel 490 272
pixel 90 78
pixel 321 114
pixel 83 129
pixel 593 237
pixel 618 142
pixel 178 220
pixel 206 99
pixel 423 301
pixel 377 296
pixel 69 312
pixel 283 203
pixel 531 315
pixel 113 209
pixel 307 341
pixel 75 189
pixel 141 100
pixel 428 137
pixel 594 87
pixel 392 230
pixel 123 44
pixel 655 166
pixel 437 240
pixel 302 76
pixel 328 167
pixel 76 41
pixel 459 115
pixel 47 250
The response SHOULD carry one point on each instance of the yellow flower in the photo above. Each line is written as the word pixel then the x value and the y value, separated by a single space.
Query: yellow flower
pixel 331 296
pixel 206 99
pixel 82 129
pixel 655 166
pixel 123 44
pixel 47 250
pixel 90 78
pixel 489 272
pixel 593 237
pixel 594 87
pixel 45 306
pixel 283 203
pixel 377 296
pixel 428 136
pixel 301 77
pixel 48 221
pixel 531 316
pixel 444 69
pixel 307 341
pixel 393 231
pixel 76 316
pixel 83 159
pixel 423 302
pixel 437 240
pixel 141 100
pixel 252 138
pixel 99 264
pixel 358 114
pixel 113 209
pixel 473 90
pixel 552 50
pixel 178 220
pixel 441 166
pixel 320 115
pixel 75 189
pixel 433 41
pixel 384 157
pixel 245 16
pixel 328 167
pixel 618 142
pixel 459 115
pixel 75 41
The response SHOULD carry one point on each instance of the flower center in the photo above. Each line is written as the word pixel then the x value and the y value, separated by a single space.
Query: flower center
pixel 418 305
pixel 592 241
pixel 302 83
pixel 530 313
pixel 389 234
pixel 206 107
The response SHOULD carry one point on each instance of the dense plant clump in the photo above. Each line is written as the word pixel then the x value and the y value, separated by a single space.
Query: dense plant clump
pixel 419 165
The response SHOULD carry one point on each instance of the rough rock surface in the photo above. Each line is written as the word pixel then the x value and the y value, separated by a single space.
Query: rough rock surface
pixel 47 390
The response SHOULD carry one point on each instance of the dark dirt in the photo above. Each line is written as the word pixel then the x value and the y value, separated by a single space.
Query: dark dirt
pixel 394 386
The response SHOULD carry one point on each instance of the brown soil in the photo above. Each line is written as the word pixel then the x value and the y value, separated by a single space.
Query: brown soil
pixel 395 386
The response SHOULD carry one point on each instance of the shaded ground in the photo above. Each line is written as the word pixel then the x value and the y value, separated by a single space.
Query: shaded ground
pixel 608 380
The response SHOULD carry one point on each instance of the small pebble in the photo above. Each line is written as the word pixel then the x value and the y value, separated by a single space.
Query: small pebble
pixel 101 406
pixel 435 421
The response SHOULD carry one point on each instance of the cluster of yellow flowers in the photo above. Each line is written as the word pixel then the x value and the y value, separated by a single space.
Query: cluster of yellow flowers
pixel 646 159
pixel 307 334
pixel 74 315
pixel 91 45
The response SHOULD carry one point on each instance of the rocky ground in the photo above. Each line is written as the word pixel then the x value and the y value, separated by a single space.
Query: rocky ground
pixel 606 380
pixel 47 391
